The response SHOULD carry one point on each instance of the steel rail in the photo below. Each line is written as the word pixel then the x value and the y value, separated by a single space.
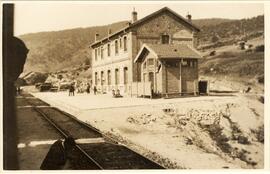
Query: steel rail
pixel 64 134
pixel 107 137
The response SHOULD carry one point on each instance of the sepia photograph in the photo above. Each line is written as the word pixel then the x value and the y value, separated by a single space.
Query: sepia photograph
pixel 136 85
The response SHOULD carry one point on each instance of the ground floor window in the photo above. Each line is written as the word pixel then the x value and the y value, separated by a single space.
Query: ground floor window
pixel 102 77
pixel 125 75
pixel 151 77
pixel 109 77
pixel 116 76
pixel 96 78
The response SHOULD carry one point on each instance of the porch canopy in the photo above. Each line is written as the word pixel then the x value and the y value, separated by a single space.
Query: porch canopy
pixel 167 51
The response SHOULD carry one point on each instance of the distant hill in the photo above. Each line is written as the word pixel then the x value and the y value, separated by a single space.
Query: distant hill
pixel 210 22
pixel 230 29
pixel 57 50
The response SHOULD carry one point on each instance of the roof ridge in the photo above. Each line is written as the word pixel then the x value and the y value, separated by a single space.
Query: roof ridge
pixel 144 19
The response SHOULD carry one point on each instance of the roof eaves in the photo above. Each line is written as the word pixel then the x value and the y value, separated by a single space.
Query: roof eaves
pixel 138 55
pixel 196 51
pixel 145 46
pixel 108 37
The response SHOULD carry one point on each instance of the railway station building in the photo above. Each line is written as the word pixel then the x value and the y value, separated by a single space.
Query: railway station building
pixel 155 55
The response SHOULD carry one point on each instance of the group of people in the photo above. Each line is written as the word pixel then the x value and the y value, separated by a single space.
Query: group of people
pixel 80 90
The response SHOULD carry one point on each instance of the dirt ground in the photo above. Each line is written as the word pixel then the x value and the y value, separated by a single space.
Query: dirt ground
pixel 170 136
pixel 194 133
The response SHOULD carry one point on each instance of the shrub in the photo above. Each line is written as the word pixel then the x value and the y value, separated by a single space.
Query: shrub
pixel 242 139
pixel 261 79
pixel 259 48
pixel 259 133
pixel 261 99
pixel 215 132
pixel 212 53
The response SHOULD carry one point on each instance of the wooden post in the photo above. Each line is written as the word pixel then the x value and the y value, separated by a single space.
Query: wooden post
pixel 194 86
pixel 166 78
pixel 180 78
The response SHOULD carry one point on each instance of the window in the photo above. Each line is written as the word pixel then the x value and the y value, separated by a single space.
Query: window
pixel 102 52
pixel 102 78
pixel 116 47
pixel 191 63
pixel 116 76
pixel 125 75
pixel 98 51
pixel 151 77
pixel 125 43
pixel 109 50
pixel 120 42
pixel 96 78
pixel 195 63
pixel 95 54
pixel 109 77
pixel 150 62
pixel 165 39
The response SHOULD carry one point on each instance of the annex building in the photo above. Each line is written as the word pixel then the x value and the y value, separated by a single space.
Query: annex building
pixel 154 55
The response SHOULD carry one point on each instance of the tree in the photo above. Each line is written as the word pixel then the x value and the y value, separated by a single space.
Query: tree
pixel 214 39
pixel 87 61
pixel 60 76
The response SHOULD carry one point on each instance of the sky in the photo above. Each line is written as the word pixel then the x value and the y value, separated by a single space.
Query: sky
pixel 31 17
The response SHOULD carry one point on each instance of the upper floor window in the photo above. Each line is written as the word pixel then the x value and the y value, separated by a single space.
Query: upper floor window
pixel 96 54
pixel 165 39
pixel 116 47
pixel 102 52
pixel 98 51
pixel 120 42
pixel 125 43
pixel 150 62
pixel 109 50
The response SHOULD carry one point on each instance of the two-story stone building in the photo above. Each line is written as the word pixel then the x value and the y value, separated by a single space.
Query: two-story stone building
pixel 121 59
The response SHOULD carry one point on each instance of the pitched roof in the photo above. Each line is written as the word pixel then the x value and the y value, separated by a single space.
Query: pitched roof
pixel 169 51
pixel 146 18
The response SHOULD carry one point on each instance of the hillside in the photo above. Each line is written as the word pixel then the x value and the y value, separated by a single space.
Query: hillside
pixel 57 50
pixel 52 51
pixel 231 30
pixel 210 22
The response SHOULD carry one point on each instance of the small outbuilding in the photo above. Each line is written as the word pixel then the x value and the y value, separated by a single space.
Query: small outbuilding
pixel 170 68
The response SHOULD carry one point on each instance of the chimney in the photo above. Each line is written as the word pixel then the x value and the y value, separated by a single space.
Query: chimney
pixel 109 31
pixel 189 17
pixel 134 16
pixel 96 37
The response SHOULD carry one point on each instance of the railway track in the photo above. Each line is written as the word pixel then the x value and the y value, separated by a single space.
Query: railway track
pixel 97 151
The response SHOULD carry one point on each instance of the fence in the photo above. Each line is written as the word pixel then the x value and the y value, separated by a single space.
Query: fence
pixel 140 89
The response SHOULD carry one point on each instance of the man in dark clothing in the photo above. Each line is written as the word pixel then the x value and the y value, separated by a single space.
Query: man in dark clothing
pixel 57 157
pixel 95 90
pixel 71 90
pixel 88 88
pixel 14 56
